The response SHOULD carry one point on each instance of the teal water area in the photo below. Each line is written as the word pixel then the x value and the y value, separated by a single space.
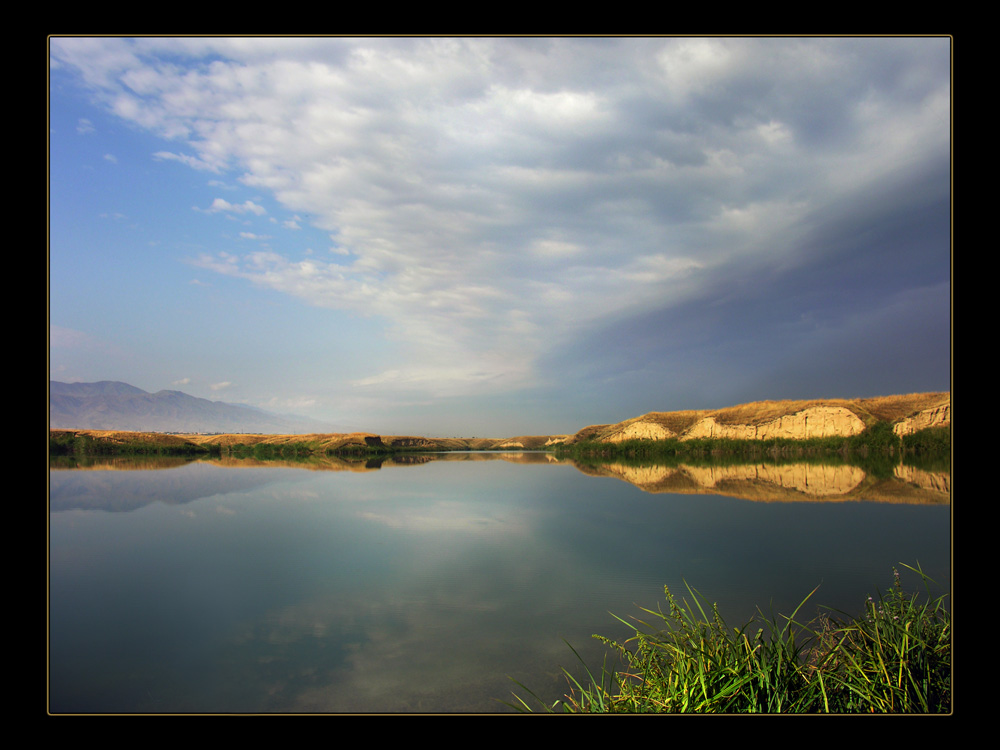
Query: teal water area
pixel 204 588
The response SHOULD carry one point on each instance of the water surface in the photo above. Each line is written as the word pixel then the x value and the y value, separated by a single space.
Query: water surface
pixel 326 587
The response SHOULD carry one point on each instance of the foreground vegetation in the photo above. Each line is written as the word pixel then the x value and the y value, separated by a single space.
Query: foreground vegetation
pixel 894 658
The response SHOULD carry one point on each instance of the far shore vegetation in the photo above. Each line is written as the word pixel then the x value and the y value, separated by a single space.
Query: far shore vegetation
pixel 878 440
pixel 876 443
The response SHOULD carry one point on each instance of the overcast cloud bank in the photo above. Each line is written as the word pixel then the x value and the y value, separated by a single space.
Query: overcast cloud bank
pixel 659 223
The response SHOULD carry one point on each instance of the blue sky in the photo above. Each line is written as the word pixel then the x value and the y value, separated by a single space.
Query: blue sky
pixel 500 236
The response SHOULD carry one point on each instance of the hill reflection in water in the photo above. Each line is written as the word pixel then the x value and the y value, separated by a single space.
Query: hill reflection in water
pixel 420 582
pixel 783 481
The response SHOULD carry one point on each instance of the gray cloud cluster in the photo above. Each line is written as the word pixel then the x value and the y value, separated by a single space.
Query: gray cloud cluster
pixel 520 209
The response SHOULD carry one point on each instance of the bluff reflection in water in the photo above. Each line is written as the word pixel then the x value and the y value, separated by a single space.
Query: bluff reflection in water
pixel 776 481
pixel 787 482
pixel 421 581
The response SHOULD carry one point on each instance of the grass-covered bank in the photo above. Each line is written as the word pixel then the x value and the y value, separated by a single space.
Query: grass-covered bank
pixel 894 658
pixel 260 447
pixel 86 443
pixel 878 440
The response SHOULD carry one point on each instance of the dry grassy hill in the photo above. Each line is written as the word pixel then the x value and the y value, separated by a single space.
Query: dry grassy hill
pixel 787 419
pixel 758 420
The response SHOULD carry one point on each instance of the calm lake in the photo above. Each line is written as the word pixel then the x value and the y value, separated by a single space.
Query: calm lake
pixel 220 587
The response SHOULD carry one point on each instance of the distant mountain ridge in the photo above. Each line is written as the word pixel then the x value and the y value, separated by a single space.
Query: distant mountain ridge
pixel 113 405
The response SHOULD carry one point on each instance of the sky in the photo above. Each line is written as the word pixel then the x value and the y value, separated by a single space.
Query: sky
pixel 490 237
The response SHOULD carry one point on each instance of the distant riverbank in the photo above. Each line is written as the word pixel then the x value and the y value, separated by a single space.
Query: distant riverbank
pixel 914 423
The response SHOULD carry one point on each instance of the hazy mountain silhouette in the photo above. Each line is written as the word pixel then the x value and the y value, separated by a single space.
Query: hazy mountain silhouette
pixel 111 405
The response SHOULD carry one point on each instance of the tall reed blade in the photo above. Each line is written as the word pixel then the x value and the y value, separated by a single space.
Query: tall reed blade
pixel 894 658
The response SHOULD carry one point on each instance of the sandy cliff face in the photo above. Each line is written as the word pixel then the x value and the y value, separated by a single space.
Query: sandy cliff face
pixel 640 431
pixel 816 421
pixel 507 444
pixel 936 416
pixel 788 419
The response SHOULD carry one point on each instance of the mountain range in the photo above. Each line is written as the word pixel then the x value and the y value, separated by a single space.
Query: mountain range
pixel 111 405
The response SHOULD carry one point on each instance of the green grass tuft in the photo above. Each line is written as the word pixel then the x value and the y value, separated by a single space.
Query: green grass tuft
pixel 894 658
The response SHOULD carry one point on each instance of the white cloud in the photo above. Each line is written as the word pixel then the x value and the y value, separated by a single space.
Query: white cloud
pixel 190 161
pixel 489 197
pixel 555 248
pixel 222 205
